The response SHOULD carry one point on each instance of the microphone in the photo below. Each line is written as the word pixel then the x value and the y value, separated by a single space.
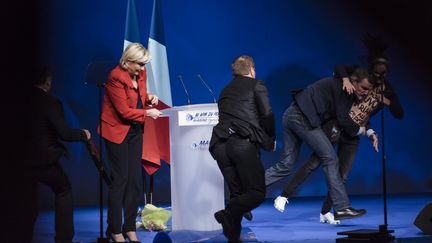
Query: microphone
pixel 184 88
pixel 208 88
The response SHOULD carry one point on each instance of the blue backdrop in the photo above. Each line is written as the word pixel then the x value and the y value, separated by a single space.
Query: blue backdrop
pixel 293 43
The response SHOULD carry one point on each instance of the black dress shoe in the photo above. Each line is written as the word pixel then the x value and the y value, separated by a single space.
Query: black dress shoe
pixel 248 216
pixel 348 213
pixel 126 236
pixel 111 237
pixel 230 229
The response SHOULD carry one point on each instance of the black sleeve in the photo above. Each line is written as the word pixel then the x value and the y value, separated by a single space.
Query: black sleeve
pixel 343 103
pixel 266 115
pixel 395 106
pixel 368 125
pixel 56 118
pixel 346 122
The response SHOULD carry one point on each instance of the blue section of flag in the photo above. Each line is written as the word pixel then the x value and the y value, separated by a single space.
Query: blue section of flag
pixel 132 28
pixel 157 27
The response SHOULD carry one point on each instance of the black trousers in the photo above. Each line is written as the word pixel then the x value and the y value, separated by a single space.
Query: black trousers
pixel 21 214
pixel 126 174
pixel 54 177
pixel 240 164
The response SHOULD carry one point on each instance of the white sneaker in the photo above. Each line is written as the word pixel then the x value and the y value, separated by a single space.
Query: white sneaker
pixel 328 218
pixel 279 203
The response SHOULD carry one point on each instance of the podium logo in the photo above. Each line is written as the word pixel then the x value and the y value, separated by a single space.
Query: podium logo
pixel 198 118
pixel 189 117
pixel 201 145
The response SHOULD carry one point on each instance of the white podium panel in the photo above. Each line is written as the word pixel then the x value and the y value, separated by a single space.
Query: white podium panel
pixel 197 185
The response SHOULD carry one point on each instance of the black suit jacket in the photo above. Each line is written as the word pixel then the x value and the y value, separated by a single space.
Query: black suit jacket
pixel 244 108
pixel 325 100
pixel 48 127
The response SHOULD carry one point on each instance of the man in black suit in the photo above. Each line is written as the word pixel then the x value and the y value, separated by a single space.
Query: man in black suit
pixel 246 124
pixel 48 127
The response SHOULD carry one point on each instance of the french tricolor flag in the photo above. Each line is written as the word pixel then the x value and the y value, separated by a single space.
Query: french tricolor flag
pixel 158 74
pixel 156 132
pixel 132 33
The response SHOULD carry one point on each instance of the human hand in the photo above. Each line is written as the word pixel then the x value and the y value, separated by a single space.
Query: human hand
pixel 384 100
pixel 374 138
pixel 347 86
pixel 153 113
pixel 154 100
pixel 87 133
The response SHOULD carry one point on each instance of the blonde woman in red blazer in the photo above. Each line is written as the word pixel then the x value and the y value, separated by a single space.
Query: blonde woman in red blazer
pixel 126 107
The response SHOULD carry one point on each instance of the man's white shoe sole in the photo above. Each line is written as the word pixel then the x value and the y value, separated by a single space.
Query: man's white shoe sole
pixel 280 206
pixel 325 220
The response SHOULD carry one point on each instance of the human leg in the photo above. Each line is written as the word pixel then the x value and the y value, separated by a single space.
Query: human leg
pixel 117 156
pixel 54 177
pixel 300 176
pixel 250 173
pixel 131 196
pixel 290 152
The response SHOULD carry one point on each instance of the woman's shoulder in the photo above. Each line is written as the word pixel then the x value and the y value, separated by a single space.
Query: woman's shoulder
pixel 117 74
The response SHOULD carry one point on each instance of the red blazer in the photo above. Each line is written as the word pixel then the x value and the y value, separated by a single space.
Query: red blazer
pixel 120 102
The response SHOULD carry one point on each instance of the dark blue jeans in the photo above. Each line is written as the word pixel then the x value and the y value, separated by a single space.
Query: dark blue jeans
pixel 347 149
pixel 296 130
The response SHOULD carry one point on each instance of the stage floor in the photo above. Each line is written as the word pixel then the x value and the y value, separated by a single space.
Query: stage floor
pixel 299 222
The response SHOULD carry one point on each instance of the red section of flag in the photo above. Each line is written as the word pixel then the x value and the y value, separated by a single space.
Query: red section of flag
pixel 156 144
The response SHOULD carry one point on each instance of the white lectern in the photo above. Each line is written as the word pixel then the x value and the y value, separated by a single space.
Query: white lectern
pixel 197 185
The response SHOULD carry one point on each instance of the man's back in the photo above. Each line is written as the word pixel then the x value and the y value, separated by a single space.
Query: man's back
pixel 244 107
pixel 237 99
pixel 48 127
pixel 325 99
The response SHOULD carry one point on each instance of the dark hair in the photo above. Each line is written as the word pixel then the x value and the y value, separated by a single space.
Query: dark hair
pixel 359 74
pixel 41 74
pixel 376 50
pixel 378 61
